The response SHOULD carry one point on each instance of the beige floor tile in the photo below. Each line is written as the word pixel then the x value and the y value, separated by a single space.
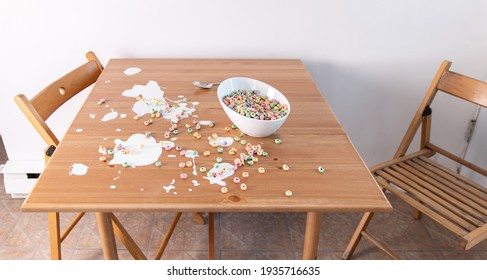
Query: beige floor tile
pixel 465 255
pixel 238 255
pixel 18 238
pixel 326 255
pixel 35 227
pixel 401 232
pixel 13 206
pixel 7 222
pixel 258 231
pixel 408 255
pixel 255 255
pixel 180 255
pixel 24 253
pixel 89 239
pixel 87 254
pixel 274 255
pixel 138 225
pixel 186 231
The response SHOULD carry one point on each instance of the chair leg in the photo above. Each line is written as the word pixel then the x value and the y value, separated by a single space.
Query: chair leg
pixel 54 235
pixel 357 235
pixel 169 232
pixel 198 217
pixel 417 214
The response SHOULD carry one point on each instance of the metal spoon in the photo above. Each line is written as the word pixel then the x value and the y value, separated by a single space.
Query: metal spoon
pixel 204 85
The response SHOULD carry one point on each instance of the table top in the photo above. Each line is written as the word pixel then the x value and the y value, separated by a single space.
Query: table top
pixel 311 137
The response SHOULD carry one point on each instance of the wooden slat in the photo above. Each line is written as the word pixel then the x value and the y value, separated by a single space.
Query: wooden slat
pixel 126 239
pixel 50 99
pixel 198 218
pixel 473 238
pixel 73 223
pixel 464 87
pixel 357 235
pixel 42 105
pixel 168 235
pixel 441 197
pixel 36 120
pixel 91 56
pixel 461 181
pixel 457 159
pixel 380 245
pixel 466 197
pixel 411 187
pixel 425 152
pixel 418 205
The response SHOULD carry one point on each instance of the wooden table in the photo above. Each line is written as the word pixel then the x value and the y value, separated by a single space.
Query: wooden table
pixel 311 137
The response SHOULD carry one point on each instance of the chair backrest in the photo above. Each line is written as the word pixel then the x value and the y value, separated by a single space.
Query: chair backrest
pixel 41 106
pixel 452 83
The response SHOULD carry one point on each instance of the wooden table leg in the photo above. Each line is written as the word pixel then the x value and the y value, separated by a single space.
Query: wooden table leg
pixel 54 235
pixel 311 236
pixel 107 237
pixel 211 236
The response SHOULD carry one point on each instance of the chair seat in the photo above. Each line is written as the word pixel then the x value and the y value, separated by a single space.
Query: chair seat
pixel 452 200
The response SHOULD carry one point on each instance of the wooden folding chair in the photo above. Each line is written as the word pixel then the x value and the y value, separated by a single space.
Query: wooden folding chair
pixel 455 202
pixel 38 109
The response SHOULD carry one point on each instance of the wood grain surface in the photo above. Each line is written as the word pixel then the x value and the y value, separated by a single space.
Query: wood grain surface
pixel 311 137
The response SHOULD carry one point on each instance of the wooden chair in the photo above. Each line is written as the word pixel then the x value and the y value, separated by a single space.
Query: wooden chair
pixel 38 109
pixel 455 202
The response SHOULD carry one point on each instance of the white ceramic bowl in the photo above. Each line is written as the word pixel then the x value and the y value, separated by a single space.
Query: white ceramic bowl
pixel 249 126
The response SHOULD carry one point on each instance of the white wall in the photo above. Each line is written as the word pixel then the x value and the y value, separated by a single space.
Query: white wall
pixel 477 150
pixel 372 60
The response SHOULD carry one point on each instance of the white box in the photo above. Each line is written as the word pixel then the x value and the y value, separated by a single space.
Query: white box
pixel 20 176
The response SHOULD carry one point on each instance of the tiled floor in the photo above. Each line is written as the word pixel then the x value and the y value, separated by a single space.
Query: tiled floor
pixel 239 235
